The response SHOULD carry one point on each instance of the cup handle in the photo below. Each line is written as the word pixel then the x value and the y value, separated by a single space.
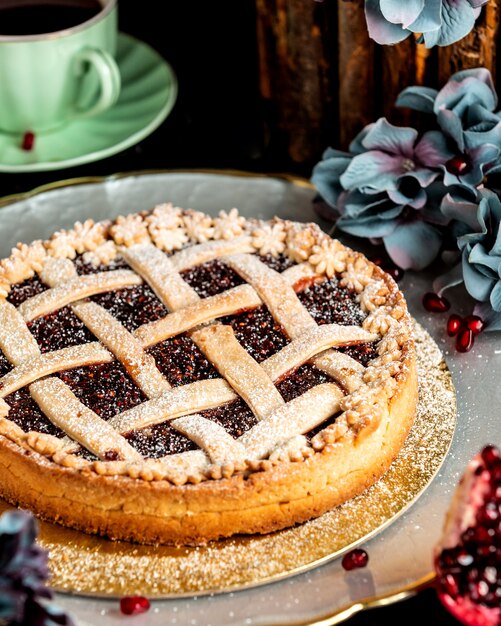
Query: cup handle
pixel 109 81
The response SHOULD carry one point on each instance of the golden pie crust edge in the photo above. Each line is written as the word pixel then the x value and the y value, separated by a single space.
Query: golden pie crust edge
pixel 159 512
pixel 274 497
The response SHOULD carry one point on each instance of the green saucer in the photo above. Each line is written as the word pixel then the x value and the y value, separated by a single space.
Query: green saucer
pixel 149 91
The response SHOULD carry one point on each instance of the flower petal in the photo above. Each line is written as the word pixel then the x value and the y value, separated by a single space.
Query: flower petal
pixel 404 13
pixel 466 88
pixel 382 31
pixel 417 98
pixel 326 178
pixel 458 19
pixel 374 169
pixel 392 139
pixel 495 298
pixel 433 150
pixel 460 210
pixel 430 19
pixel 477 285
pixel 369 227
pixel 413 245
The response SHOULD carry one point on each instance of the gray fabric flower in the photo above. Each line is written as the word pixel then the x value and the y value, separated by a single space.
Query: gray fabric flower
pixel 465 112
pixel 439 22
pixel 386 189
pixel 478 229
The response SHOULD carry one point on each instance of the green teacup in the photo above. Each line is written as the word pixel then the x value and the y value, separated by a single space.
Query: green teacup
pixel 49 79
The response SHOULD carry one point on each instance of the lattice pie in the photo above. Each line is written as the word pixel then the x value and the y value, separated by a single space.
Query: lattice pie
pixel 172 377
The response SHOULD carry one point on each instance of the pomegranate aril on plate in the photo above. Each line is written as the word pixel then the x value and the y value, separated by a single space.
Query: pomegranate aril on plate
pixel 28 141
pixel 134 605
pixel 454 324
pixel 465 340
pixel 355 559
pixel 475 323
pixel 434 303
pixel 467 559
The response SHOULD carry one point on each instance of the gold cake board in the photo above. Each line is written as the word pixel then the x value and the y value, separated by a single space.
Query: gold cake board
pixel 89 565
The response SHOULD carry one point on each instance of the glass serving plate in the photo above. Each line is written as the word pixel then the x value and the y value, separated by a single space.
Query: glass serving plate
pixel 401 552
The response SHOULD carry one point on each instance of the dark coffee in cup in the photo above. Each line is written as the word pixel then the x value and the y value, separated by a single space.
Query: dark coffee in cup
pixel 35 17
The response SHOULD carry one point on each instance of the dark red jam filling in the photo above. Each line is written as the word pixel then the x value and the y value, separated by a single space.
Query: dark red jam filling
pixel 23 291
pixel 329 303
pixel 59 330
pixel 215 277
pixel 5 366
pixel 25 413
pixel 181 361
pixel 132 306
pixel 160 440
pixel 211 278
pixel 257 332
pixel 84 268
pixel 107 389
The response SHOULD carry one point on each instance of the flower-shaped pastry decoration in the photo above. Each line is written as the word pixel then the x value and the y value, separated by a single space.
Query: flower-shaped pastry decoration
pixel 229 225
pixel 328 257
pixel 129 230
pixel 199 226
pixel 269 238
pixel 437 22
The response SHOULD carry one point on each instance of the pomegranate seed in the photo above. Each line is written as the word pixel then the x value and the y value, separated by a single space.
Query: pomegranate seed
pixel 454 325
pixel 458 165
pixel 28 141
pixel 475 323
pixel 354 559
pixel 490 455
pixel 465 340
pixel 134 605
pixel 434 303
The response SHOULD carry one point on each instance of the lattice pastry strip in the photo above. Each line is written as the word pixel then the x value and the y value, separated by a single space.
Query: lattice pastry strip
pixel 240 370
pixel 160 273
pixel 68 291
pixel 55 398
pixel 209 251
pixel 217 341
pixel 339 366
pixel 43 365
pixel 64 410
pixel 16 341
pixel 294 418
pixel 288 310
pixel 212 438
pixel 127 349
pixel 210 393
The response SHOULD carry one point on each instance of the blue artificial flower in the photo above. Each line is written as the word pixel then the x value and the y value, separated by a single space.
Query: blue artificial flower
pixel 478 229
pixel 439 22
pixel 386 189
pixel 23 573
pixel 465 111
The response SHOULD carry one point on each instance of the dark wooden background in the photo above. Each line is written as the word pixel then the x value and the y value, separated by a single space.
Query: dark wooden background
pixel 267 85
